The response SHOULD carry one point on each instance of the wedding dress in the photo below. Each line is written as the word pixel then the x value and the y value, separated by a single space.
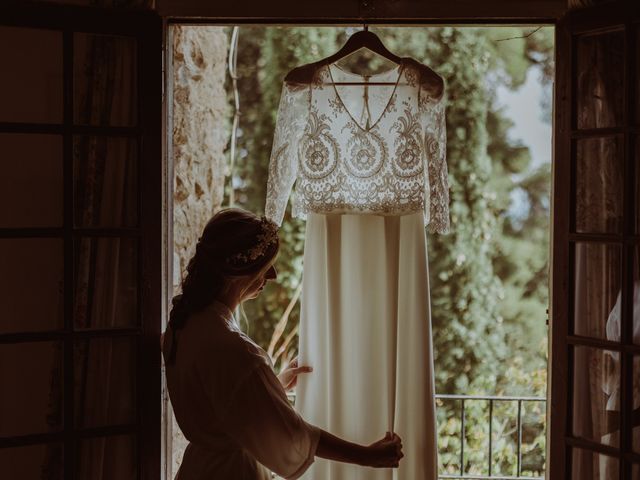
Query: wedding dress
pixel 368 163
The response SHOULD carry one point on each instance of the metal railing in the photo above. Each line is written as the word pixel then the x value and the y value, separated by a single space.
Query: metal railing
pixel 464 399
pixel 491 399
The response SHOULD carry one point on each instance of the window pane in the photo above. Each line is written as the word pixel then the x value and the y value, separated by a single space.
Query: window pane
pixel 31 180
pixel 636 404
pixel 599 185
pixel 637 92
pixel 106 286
pixel 597 283
pixel 636 295
pixel 35 462
pixel 107 458
pixel 31 374
pixel 587 465
pixel 637 182
pixel 600 63
pixel 31 284
pixel 31 85
pixel 104 80
pixel 104 381
pixel 105 181
pixel 596 389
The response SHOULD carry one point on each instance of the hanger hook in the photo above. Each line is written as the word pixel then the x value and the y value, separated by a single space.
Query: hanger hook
pixel 366 27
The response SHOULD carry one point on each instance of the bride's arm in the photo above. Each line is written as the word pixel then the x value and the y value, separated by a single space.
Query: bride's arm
pixel 385 453
pixel 334 448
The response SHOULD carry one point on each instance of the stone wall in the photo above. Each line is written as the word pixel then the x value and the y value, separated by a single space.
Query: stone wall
pixel 200 134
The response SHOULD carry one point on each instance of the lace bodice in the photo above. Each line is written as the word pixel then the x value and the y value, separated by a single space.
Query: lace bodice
pixel 378 149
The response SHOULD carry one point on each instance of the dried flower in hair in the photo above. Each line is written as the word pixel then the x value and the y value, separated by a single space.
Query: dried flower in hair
pixel 268 236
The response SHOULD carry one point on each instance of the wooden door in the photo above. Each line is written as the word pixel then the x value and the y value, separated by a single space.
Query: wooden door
pixel 80 243
pixel 595 361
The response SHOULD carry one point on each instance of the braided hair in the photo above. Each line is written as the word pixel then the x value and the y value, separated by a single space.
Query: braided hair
pixel 228 234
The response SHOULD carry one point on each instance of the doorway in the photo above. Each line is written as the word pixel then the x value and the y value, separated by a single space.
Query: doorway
pixel 492 420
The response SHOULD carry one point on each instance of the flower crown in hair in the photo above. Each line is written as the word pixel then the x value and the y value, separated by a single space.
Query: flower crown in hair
pixel 268 236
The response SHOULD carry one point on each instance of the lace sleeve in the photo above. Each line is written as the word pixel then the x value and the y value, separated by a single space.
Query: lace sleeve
pixel 436 175
pixel 283 166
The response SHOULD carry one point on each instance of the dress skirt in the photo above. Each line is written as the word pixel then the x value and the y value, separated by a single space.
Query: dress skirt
pixel 365 328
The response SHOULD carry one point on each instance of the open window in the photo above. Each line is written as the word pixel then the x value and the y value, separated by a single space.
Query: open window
pixel 495 429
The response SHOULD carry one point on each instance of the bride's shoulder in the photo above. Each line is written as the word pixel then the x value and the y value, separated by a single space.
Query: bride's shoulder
pixel 233 348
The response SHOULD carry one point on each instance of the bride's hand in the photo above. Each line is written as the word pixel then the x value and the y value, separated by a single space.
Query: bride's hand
pixel 385 453
pixel 289 376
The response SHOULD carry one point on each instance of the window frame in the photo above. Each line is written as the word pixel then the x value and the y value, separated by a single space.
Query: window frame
pixel 237 18
pixel 155 206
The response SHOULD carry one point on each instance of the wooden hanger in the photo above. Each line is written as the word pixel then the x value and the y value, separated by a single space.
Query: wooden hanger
pixel 305 74
pixel 361 39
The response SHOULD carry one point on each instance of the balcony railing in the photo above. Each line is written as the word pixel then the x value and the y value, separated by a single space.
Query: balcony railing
pixel 464 401
pixel 491 400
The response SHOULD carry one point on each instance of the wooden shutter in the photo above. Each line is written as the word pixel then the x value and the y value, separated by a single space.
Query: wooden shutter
pixel 595 318
pixel 80 243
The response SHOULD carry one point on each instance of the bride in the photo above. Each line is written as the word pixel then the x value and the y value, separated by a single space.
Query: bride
pixel 227 399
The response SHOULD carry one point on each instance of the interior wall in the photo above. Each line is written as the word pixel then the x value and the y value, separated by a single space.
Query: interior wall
pixel 575 4
pixel 134 4
pixel 199 123
pixel 354 10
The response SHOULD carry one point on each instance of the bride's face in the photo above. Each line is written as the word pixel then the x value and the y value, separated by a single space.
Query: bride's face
pixel 259 281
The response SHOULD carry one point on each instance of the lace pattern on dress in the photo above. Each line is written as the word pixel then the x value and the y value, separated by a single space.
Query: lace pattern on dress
pixel 396 166
pixel 435 147
pixel 292 116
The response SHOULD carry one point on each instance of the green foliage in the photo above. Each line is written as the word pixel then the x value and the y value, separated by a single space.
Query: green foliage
pixel 488 281
pixel 265 55
pixel 466 293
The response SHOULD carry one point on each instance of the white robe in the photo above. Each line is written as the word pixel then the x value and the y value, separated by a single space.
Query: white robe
pixel 231 406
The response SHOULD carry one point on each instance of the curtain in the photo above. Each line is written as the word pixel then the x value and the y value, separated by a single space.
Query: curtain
pixel 595 379
pixel 599 182
pixel 105 267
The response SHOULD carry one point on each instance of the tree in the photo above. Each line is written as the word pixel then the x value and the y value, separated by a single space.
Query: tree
pixel 488 277
pixel 265 55
pixel 489 282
